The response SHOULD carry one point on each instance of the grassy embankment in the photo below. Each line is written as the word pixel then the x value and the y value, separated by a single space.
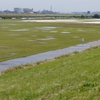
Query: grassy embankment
pixel 76 77
pixel 18 39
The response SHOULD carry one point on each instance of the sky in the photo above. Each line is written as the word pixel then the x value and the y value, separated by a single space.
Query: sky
pixel 57 5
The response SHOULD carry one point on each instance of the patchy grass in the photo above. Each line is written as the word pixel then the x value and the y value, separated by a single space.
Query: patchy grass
pixel 19 39
pixel 76 77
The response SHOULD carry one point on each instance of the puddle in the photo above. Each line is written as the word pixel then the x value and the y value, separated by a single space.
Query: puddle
pixel 71 28
pixel 13 18
pixel 80 29
pixel 11 24
pixel 65 32
pixel 46 28
pixel 92 30
pixel 12 54
pixel 47 38
pixel 49 27
pixel 14 34
pixel 53 31
pixel 75 36
pixel 35 30
pixel 34 35
pixel 4 27
pixel 4 47
pixel 18 30
pixel 44 31
pixel 31 40
pixel 23 18
pixel 42 42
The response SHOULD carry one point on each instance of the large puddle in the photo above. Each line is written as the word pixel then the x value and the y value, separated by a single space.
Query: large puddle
pixel 47 38
pixel 46 28
pixel 46 55
pixel 4 47
pixel 65 32
pixel 18 30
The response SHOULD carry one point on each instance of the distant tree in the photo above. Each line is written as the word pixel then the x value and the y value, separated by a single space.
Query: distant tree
pixel 82 16
pixel 96 16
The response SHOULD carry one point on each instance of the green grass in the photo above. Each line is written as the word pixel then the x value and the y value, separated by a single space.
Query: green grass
pixel 14 43
pixel 76 77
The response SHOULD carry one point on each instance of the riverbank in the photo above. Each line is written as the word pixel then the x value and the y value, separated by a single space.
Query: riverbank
pixel 76 77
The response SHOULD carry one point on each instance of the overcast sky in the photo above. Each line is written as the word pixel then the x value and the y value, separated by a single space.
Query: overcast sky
pixel 57 5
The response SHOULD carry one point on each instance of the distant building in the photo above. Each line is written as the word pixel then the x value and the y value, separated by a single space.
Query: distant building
pixel 27 10
pixel 79 12
pixel 96 12
pixel 18 10
pixel 47 12
pixel 88 12
pixel 7 11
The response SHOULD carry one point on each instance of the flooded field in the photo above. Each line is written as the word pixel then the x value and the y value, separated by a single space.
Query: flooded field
pixel 23 38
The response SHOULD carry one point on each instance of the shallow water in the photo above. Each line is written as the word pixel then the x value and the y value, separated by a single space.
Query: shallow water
pixel 46 55
pixel 18 30
pixel 75 36
pixel 4 47
pixel 46 28
pixel 4 27
pixel 47 38
pixel 53 31
pixel 15 34
pixel 65 32
pixel 31 40
pixel 42 42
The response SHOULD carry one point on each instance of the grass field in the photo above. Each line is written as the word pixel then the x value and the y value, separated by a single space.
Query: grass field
pixel 76 77
pixel 18 39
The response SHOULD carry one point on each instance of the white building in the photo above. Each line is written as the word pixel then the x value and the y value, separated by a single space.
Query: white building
pixel 18 10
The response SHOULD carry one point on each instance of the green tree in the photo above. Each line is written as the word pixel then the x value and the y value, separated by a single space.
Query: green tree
pixel 96 16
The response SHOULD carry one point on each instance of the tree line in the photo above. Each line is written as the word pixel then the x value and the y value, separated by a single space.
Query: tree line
pixel 88 16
